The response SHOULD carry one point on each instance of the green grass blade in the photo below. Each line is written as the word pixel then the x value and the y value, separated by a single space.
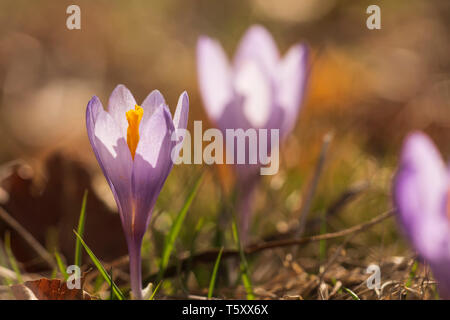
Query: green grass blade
pixel 111 296
pixel 169 240
pixel 243 265
pixel 247 285
pixel 61 266
pixel 152 297
pixel 3 258
pixel 436 293
pixel 235 232
pixel 212 282
pixel 412 274
pixel 354 295
pixel 98 282
pixel 4 262
pixel 101 269
pixel 12 260
pixel 80 230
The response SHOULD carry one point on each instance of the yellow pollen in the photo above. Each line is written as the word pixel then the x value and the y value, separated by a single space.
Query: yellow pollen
pixel 134 118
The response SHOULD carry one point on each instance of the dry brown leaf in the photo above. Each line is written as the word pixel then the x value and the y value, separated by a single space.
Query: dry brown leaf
pixel 47 289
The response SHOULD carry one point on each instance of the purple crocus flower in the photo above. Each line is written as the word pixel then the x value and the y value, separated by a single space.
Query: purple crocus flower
pixel 133 146
pixel 259 90
pixel 421 196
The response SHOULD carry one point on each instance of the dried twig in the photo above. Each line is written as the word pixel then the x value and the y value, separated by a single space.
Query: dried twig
pixel 211 255
pixel 332 235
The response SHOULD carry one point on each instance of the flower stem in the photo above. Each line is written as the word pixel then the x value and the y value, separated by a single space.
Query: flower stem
pixel 134 250
pixel 246 191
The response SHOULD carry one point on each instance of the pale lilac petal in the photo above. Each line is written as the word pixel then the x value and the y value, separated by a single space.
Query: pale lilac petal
pixel 257 45
pixel 153 134
pixel 254 86
pixel 233 116
pixel 93 110
pixel 120 101
pixel 115 159
pixel 180 117
pixel 154 100
pixel 214 77
pixel 180 120
pixel 152 165
pixel 291 80
pixel 420 194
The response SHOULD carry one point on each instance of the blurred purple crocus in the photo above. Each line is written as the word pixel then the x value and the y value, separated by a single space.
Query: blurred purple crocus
pixel 133 146
pixel 259 90
pixel 421 196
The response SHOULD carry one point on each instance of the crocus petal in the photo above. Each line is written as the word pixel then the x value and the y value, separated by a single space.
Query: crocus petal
pixel 154 100
pixel 103 145
pixel 153 135
pixel 257 45
pixel 233 117
pixel 253 84
pixel 420 195
pixel 152 165
pixel 214 76
pixel 93 109
pixel 180 117
pixel 120 101
pixel 291 80
pixel 115 159
pixel 180 124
